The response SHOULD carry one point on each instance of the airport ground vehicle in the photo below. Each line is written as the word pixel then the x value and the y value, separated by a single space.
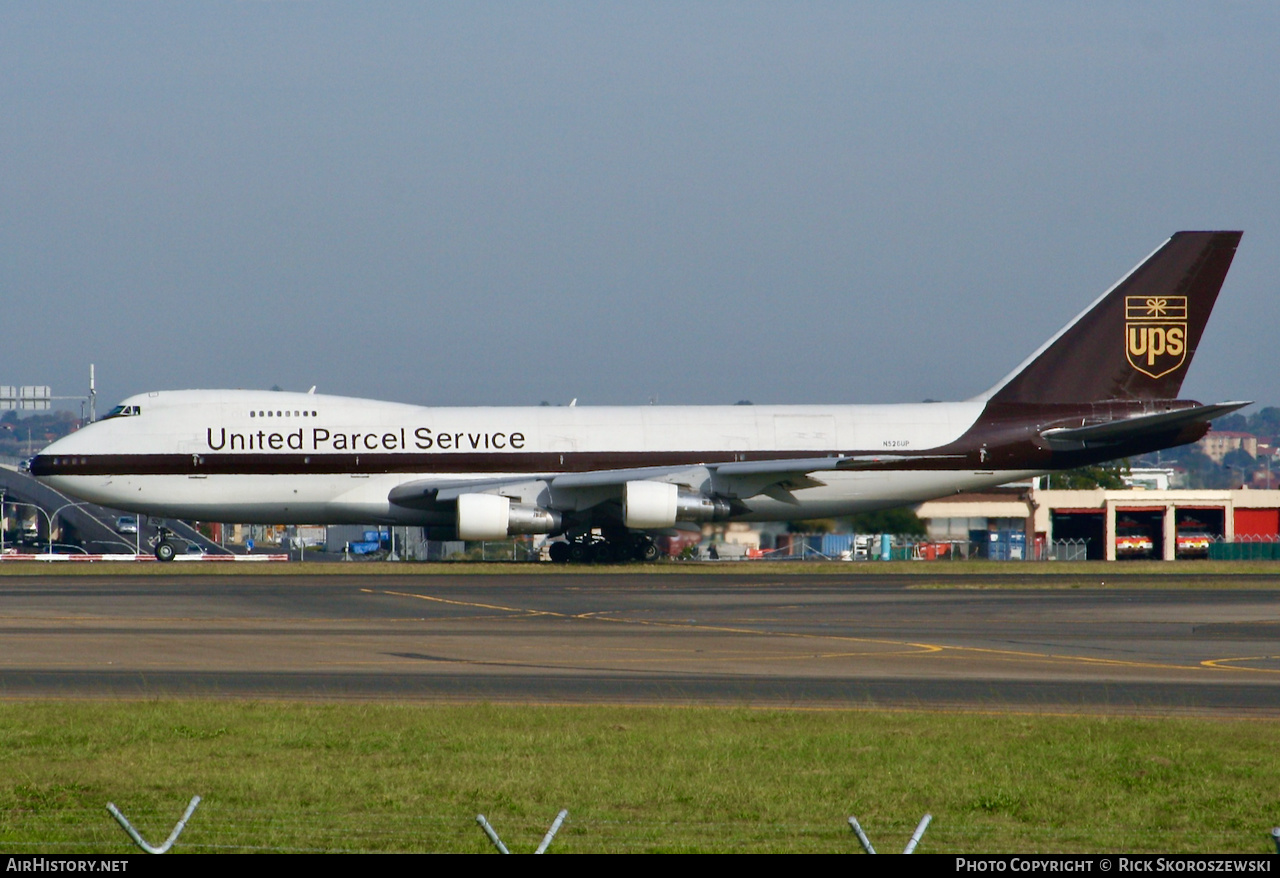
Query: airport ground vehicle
pixel 1193 539
pixel 629 474
pixel 127 524
pixel 1133 540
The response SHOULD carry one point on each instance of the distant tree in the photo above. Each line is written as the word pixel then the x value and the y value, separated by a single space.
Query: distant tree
pixel 1105 475
pixel 902 522
pixel 1238 457
pixel 35 431
pixel 1266 423
pixel 1202 471
pixel 1239 464
pixel 1234 422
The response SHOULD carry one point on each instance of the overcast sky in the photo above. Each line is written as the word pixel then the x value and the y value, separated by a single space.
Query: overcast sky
pixel 506 203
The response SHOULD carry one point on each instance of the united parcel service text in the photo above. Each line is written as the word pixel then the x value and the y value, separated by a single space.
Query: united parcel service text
pixel 320 440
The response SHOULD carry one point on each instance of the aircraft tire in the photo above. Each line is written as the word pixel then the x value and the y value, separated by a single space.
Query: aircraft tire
pixel 165 551
pixel 648 551
pixel 579 553
pixel 559 552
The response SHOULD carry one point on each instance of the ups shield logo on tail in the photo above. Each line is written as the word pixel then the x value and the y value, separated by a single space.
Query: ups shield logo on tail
pixel 1156 333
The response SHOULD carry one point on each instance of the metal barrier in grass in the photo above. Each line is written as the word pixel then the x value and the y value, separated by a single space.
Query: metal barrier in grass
pixel 502 848
pixel 911 845
pixel 140 841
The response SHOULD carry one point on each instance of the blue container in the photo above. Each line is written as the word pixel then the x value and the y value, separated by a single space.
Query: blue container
pixel 998 546
pixel 834 545
pixel 1007 545
pixel 1017 545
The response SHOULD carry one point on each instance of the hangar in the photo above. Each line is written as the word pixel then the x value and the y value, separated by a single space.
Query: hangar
pixel 1114 524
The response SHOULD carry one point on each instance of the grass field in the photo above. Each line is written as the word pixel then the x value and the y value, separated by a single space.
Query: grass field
pixel 387 777
pixel 372 777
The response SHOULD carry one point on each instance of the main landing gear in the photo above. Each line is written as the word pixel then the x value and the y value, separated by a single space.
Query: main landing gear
pixel 594 549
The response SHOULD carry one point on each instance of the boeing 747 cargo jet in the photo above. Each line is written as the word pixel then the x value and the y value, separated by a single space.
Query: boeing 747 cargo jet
pixel 610 478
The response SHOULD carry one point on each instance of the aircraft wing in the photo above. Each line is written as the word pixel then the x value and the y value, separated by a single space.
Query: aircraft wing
pixel 1127 429
pixel 734 479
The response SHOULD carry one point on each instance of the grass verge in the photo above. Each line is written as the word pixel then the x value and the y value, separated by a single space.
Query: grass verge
pixel 365 777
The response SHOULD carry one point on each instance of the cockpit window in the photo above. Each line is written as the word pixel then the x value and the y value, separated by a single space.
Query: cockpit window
pixel 123 411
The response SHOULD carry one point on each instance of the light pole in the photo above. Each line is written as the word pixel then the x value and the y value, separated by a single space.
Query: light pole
pixel 55 515
pixel 39 509
pixel 48 518
pixel 1232 467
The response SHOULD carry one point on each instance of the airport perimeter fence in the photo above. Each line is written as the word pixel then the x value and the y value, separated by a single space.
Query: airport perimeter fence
pixel 220 827
pixel 846 547
pixel 1245 547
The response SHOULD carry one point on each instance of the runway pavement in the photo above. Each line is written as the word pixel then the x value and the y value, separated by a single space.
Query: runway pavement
pixel 800 641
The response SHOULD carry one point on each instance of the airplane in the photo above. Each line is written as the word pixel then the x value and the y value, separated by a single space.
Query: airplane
pixel 609 479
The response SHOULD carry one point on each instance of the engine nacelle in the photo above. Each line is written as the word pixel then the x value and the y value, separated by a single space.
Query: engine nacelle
pixel 492 517
pixel 652 505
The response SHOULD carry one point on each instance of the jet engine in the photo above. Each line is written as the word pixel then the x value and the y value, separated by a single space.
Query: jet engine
pixel 650 505
pixel 493 517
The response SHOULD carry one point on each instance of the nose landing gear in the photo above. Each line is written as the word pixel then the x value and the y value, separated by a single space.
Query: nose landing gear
pixel 165 549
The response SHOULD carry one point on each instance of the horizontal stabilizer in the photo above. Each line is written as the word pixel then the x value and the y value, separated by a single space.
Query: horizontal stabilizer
pixel 1128 429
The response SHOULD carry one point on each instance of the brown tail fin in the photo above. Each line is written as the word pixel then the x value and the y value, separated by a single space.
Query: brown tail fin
pixel 1137 340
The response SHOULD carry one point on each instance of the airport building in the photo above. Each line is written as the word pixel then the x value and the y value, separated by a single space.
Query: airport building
pixel 1112 524
pixel 1219 443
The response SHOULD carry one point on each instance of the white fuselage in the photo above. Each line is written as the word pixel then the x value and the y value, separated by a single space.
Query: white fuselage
pixel 274 457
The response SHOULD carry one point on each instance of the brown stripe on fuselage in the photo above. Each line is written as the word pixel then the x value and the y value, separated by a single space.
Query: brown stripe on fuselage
pixel 1005 436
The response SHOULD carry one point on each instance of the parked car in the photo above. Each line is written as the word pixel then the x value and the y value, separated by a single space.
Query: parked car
pixel 127 524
